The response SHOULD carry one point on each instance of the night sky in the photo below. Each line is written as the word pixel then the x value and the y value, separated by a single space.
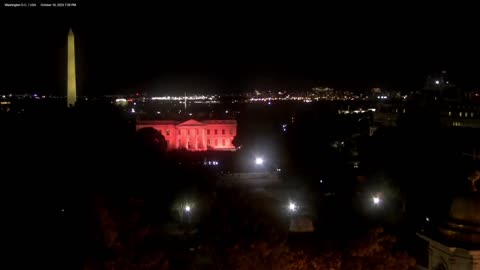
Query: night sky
pixel 165 49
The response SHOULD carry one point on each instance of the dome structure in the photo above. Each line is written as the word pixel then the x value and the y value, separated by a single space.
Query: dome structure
pixel 463 223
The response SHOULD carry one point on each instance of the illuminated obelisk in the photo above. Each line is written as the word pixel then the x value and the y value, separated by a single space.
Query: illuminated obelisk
pixel 71 76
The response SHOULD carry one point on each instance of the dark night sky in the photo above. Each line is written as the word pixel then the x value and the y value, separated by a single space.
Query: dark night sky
pixel 172 49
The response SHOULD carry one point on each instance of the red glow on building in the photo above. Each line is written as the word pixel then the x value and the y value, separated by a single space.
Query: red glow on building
pixel 192 135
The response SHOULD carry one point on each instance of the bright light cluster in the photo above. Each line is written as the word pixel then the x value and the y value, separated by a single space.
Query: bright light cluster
pixel 194 97
pixel 214 163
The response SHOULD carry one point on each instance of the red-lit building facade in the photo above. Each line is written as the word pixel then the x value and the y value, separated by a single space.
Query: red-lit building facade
pixel 194 135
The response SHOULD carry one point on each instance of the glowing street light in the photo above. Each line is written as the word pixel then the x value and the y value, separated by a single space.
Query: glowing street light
pixel 292 207
pixel 258 161
pixel 187 208
pixel 376 200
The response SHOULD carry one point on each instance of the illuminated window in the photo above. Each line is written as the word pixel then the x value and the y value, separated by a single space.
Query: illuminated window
pixel 223 131
pixel 404 110
pixel 216 142
pixel 208 142
pixel 471 114
pixel 231 131
pixel 223 142
pixel 216 132
pixel 460 114
pixel 449 113
pixel 168 132
pixel 208 131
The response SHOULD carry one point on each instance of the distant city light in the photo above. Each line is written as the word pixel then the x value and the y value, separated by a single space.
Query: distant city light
pixel 133 110
pixel 187 208
pixel 376 200
pixel 279 170
pixel 321 181
pixel 437 82
pixel 259 161
pixel 427 219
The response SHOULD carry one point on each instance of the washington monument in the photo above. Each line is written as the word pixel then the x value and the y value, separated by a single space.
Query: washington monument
pixel 71 76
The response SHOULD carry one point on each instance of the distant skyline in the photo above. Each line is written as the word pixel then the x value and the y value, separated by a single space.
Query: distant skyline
pixel 166 48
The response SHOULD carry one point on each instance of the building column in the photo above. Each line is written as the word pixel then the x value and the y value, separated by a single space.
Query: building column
pixel 204 139
pixel 177 137
pixel 196 140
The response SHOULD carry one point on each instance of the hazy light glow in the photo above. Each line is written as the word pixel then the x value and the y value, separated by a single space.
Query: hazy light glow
pixel 188 208
pixel 258 161
pixel 437 82
pixel 376 200
pixel 292 207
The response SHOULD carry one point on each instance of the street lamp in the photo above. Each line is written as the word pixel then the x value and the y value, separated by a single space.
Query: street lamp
pixel 259 161
pixel 187 208
pixel 376 200
pixel 292 207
